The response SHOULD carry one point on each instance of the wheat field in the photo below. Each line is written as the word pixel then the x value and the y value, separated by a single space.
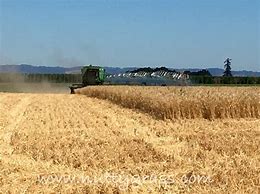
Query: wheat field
pixel 184 102
pixel 124 139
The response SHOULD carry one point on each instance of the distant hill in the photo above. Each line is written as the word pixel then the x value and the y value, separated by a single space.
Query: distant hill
pixel 25 68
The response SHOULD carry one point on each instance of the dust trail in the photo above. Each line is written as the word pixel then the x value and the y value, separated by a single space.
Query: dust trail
pixel 16 83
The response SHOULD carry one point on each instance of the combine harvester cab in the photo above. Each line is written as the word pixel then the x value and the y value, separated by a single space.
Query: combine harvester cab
pixel 91 75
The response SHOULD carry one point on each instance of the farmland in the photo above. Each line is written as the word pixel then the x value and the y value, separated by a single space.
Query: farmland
pixel 184 102
pixel 189 139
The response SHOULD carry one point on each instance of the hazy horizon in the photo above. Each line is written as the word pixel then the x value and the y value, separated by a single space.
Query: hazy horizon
pixel 129 33
pixel 171 67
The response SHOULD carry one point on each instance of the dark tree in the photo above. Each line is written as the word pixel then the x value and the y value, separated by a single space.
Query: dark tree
pixel 227 67
pixel 203 72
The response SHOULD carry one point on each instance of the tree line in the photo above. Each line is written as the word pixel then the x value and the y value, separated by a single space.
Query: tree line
pixel 202 77
pixel 224 80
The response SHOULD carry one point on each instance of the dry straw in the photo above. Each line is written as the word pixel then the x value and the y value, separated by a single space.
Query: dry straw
pixel 183 102
pixel 50 135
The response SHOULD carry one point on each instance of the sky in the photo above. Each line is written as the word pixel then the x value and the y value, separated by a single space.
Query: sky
pixel 123 33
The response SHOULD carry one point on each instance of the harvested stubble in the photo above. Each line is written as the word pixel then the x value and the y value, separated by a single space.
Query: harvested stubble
pixel 183 102
pixel 59 134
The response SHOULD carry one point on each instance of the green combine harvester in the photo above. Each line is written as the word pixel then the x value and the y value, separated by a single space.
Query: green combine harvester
pixel 91 75
pixel 96 75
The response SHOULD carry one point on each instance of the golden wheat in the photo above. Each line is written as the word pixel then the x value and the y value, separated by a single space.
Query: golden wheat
pixel 183 102
pixel 57 135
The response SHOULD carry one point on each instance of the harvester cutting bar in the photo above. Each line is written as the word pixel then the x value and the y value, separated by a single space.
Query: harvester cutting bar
pixel 73 87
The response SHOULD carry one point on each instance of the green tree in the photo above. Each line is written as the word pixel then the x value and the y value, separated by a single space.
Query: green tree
pixel 227 67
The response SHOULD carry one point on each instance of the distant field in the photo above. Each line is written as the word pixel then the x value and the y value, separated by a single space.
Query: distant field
pixel 42 87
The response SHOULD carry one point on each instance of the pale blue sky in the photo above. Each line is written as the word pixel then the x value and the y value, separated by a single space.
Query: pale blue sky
pixel 172 33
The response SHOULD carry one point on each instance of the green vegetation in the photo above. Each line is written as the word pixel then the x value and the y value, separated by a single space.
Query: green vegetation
pixel 227 66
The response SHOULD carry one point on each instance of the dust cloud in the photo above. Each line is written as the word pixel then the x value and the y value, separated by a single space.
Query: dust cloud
pixel 16 84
